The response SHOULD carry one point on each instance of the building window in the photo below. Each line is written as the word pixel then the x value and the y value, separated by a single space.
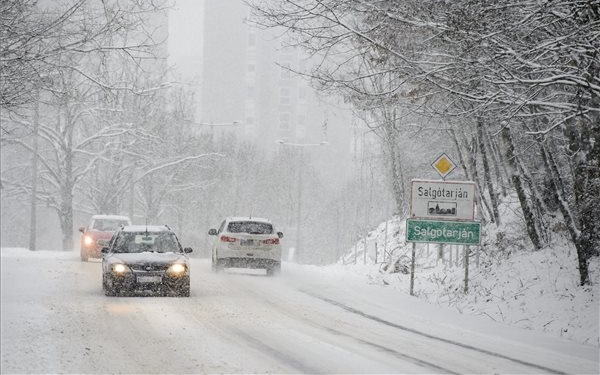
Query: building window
pixel 284 95
pixel 284 121
pixel 301 120
pixel 252 40
pixel 302 93
pixel 251 68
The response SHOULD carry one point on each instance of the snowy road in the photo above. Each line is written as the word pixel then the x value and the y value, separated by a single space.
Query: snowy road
pixel 310 320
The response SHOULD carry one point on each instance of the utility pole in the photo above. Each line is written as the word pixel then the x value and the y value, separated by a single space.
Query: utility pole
pixel 34 177
pixel 299 218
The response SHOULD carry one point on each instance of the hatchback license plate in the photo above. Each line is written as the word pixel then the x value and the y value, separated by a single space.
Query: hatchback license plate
pixel 247 242
pixel 149 279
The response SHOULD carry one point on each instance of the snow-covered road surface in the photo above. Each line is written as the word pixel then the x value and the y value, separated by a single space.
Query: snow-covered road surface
pixel 55 319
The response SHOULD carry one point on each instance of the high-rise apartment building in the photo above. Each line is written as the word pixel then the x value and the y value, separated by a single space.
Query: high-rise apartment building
pixel 242 75
pixel 244 78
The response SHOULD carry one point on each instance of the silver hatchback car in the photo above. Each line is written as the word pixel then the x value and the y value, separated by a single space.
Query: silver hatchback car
pixel 246 242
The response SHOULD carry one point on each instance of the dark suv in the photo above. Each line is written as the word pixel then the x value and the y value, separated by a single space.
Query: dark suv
pixel 145 259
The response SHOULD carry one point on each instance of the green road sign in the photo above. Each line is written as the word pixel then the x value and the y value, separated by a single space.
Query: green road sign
pixel 439 231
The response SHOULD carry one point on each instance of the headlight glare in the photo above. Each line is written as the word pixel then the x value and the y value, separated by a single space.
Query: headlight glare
pixel 177 269
pixel 88 240
pixel 119 268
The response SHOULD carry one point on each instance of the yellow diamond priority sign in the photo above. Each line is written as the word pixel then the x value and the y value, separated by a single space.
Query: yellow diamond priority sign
pixel 443 165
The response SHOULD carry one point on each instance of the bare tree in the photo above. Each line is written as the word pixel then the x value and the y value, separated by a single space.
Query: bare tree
pixel 59 53
pixel 513 62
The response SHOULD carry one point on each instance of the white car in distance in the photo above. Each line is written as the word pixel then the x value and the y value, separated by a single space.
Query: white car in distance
pixel 246 242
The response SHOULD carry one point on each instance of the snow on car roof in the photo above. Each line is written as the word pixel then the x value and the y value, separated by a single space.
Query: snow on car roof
pixel 247 218
pixel 143 228
pixel 111 217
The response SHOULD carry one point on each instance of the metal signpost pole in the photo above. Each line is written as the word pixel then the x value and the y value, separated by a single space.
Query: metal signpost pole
pixel 412 269
pixel 467 251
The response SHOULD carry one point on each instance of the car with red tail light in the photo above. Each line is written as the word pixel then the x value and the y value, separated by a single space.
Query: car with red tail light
pixel 246 242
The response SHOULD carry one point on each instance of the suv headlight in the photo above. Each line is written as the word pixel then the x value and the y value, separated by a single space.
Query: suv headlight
pixel 119 268
pixel 177 269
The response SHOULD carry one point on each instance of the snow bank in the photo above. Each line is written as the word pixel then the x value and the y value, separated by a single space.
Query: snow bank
pixel 513 285
pixel 22 252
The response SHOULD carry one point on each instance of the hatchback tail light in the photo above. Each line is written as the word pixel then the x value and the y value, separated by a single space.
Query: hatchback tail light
pixel 271 241
pixel 228 239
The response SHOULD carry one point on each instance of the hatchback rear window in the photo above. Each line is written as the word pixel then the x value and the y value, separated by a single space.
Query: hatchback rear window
pixel 251 227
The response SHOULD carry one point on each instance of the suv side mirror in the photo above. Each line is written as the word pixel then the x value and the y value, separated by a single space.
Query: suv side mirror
pixel 105 250
pixel 82 229
pixel 212 232
pixel 280 234
pixel 187 250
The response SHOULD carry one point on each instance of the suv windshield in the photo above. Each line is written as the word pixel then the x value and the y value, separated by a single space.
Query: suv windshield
pixel 251 227
pixel 108 225
pixel 139 242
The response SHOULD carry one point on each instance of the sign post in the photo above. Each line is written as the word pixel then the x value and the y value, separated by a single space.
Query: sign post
pixel 412 270
pixel 467 268
pixel 442 212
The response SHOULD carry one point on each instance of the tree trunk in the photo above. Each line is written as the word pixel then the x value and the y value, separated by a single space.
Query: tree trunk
pixel 499 168
pixel 461 159
pixel 538 205
pixel 584 139
pixel 518 185
pixel 397 173
pixel 486 172
pixel 559 193
pixel 481 201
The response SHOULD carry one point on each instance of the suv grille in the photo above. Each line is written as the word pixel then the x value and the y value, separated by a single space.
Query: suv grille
pixel 149 267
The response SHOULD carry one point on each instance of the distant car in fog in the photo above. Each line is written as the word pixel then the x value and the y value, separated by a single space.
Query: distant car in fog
pixel 246 242
pixel 145 259
pixel 98 232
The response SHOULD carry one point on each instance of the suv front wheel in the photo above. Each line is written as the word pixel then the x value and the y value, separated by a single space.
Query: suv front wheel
pixel 108 291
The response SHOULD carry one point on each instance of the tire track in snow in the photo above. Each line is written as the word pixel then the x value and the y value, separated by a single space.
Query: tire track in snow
pixel 253 289
pixel 393 352
pixel 274 353
pixel 429 336
pixel 290 314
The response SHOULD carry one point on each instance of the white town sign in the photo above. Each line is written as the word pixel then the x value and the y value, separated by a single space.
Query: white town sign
pixel 447 200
